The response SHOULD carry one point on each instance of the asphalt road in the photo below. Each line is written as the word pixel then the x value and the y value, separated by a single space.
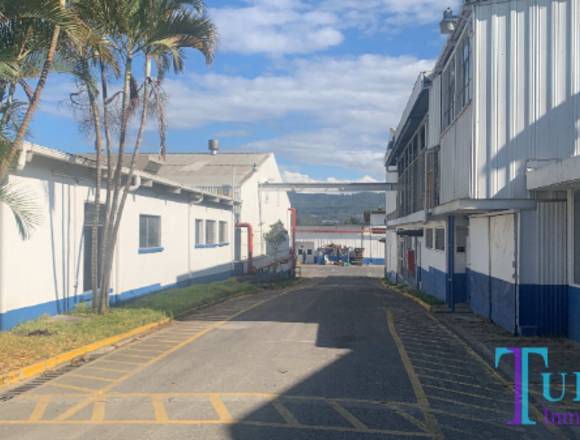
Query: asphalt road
pixel 337 358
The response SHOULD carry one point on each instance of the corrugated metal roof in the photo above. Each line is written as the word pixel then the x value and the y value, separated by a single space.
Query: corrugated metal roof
pixel 201 169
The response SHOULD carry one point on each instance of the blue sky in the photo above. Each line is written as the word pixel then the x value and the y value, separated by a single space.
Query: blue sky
pixel 319 83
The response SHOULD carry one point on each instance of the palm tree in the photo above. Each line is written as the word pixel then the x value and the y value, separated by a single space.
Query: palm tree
pixel 25 28
pixel 24 207
pixel 155 33
pixel 30 31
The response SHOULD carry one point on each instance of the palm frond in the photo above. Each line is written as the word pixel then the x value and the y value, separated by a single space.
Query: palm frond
pixel 24 206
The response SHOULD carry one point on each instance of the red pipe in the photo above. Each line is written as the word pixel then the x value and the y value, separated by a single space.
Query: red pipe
pixel 293 230
pixel 250 244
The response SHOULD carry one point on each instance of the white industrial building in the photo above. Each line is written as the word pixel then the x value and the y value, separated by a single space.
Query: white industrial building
pixel 487 156
pixel 178 227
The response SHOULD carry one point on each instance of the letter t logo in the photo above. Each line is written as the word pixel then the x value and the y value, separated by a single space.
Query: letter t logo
pixel 521 379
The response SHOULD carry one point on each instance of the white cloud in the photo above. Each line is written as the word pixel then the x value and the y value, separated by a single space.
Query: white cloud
pixel 298 177
pixel 348 104
pixel 276 28
pixel 283 27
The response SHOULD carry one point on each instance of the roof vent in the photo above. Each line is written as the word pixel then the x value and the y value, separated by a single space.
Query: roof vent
pixel 449 23
pixel 214 146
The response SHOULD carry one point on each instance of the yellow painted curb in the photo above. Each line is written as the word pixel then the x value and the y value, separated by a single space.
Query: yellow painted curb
pixel 38 368
pixel 422 303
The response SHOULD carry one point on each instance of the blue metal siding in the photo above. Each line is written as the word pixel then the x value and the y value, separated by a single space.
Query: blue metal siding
pixel 543 310
pixel 434 282
pixel 574 313
pixel 478 285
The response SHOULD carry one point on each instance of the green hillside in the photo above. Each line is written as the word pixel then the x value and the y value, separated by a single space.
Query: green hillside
pixel 328 209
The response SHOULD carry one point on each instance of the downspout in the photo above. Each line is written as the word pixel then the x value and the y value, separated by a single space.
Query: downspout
pixel 250 229
pixel 136 184
pixel 293 232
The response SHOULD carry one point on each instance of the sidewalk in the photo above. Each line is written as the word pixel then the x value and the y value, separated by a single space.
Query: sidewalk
pixel 484 337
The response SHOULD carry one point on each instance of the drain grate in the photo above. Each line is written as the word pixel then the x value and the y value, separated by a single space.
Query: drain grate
pixel 36 382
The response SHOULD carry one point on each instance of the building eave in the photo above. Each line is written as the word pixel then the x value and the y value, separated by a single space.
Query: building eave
pixel 31 150
pixel 557 175
pixel 477 206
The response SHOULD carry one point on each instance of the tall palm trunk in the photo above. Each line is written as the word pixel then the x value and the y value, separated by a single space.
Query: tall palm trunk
pixel 34 102
pixel 95 242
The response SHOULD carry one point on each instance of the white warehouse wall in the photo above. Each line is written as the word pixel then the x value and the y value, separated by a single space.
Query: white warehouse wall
pixel 527 85
pixel 45 273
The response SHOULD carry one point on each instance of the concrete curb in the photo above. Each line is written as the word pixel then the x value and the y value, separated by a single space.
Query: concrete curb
pixel 38 368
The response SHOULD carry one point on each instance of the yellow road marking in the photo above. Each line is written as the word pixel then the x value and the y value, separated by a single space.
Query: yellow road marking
pixel 140 350
pixel 356 423
pixel 422 400
pixel 39 409
pixel 121 362
pixel 535 411
pixel 159 408
pixel 220 408
pixel 418 355
pixel 285 413
pixel 433 370
pixel 506 412
pixel 442 366
pixel 73 387
pixel 455 382
pixel 394 433
pixel 88 376
pixel 105 368
pixel 465 393
pixel 81 405
pixel 98 411
pixel 478 420
pixel 131 356
pixel 409 418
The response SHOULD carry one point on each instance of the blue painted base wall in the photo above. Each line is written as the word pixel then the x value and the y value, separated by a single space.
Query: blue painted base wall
pixel 12 318
pixel 543 309
pixel 434 283
pixel 492 298
pixel 574 313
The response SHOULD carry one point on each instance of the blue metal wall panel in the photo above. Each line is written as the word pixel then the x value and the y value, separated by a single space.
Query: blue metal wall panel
pixel 434 283
pixel 479 293
pixel 503 304
pixel 544 310
pixel 460 288
pixel 574 313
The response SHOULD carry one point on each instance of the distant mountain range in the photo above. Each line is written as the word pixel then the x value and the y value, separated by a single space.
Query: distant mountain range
pixel 332 209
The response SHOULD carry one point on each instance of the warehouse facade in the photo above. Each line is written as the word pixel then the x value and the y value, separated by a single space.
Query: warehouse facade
pixel 486 156
pixel 173 232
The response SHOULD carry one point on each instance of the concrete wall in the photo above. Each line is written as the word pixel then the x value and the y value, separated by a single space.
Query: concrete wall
pixel 45 273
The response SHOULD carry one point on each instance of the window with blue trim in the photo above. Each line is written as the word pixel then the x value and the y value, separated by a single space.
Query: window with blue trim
pixel 149 232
